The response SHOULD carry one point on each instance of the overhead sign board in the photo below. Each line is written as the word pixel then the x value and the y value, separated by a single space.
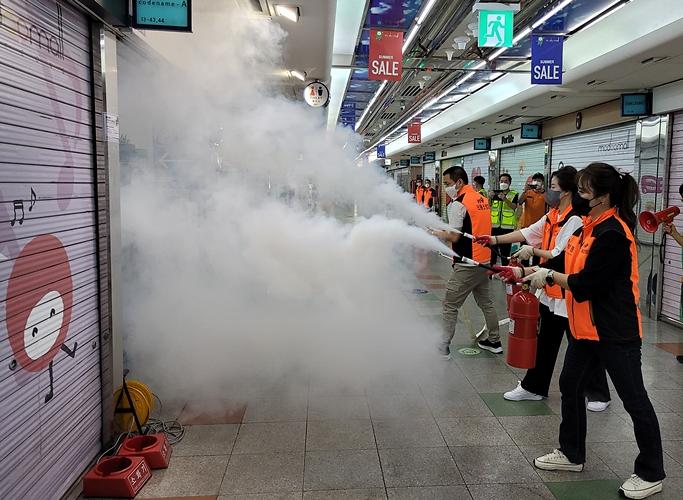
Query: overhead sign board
pixel 482 144
pixel 381 150
pixel 415 160
pixel 429 156
pixel 636 104
pixel 169 15
pixel 386 55
pixel 348 114
pixel 316 94
pixel 496 28
pixel 415 132
pixel 404 163
pixel 546 59
pixel 530 131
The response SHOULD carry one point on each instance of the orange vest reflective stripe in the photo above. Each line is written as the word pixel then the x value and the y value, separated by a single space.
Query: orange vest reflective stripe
pixel 419 194
pixel 479 222
pixel 553 225
pixel 581 319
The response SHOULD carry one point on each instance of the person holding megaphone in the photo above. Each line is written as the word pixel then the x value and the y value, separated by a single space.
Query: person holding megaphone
pixel 671 230
pixel 600 278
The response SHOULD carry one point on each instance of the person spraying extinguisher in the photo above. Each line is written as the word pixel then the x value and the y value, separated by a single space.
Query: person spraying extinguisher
pixel 600 279
pixel 547 239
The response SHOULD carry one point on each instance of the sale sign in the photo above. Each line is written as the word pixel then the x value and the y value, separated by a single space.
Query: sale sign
pixel 546 59
pixel 386 55
pixel 415 133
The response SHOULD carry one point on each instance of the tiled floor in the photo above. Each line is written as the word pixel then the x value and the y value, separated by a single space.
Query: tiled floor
pixel 444 433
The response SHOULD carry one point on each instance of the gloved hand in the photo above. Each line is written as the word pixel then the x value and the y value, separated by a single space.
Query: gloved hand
pixel 525 253
pixel 507 273
pixel 487 241
pixel 537 279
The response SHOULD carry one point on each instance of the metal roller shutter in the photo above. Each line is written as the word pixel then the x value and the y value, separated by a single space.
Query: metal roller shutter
pixel 430 171
pixel 672 288
pixel 522 162
pixel 50 387
pixel 477 165
pixel 616 146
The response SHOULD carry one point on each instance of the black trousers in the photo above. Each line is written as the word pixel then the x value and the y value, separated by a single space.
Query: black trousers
pixel 550 333
pixel 622 361
pixel 501 250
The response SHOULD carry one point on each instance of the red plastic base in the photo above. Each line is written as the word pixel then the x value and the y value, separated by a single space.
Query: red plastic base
pixel 155 448
pixel 120 477
pixel 521 352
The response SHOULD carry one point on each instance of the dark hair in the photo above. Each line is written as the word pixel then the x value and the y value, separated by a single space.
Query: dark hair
pixel 680 190
pixel 427 180
pixel 456 174
pixel 505 174
pixel 538 175
pixel 479 180
pixel 622 189
pixel 566 178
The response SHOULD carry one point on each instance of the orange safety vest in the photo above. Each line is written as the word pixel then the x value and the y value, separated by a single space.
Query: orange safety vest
pixel 554 220
pixel 419 194
pixel 428 196
pixel 477 221
pixel 581 319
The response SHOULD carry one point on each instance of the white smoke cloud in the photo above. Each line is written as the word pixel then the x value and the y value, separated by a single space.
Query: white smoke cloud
pixel 268 251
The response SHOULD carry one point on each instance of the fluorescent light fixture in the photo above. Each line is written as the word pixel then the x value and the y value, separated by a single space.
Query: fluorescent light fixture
pixel 551 13
pixel 372 101
pixel 411 35
pixel 290 12
pixel 605 13
pixel 300 75
pixel 425 11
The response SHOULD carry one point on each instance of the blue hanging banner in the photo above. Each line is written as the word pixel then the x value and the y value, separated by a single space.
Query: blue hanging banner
pixel 546 59
pixel 348 114
pixel 381 150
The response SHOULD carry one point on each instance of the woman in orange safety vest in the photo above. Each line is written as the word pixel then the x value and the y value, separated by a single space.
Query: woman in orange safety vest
pixel 600 280
pixel 428 196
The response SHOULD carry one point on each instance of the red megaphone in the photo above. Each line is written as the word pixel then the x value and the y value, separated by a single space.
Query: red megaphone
pixel 651 221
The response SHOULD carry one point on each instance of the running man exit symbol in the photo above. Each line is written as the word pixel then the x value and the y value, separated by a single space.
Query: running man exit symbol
pixel 496 28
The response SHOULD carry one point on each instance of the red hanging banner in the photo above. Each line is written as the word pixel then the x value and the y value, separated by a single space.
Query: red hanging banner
pixel 415 133
pixel 386 55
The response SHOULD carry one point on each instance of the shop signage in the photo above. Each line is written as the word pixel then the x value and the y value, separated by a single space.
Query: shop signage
pixel 166 15
pixel 415 132
pixel 381 150
pixel 316 94
pixel 496 28
pixel 546 59
pixel 507 139
pixel 348 114
pixel 415 160
pixel 404 163
pixel 429 156
pixel 386 55
pixel 482 144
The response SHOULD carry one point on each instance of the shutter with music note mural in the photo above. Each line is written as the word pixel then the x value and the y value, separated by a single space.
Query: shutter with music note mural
pixel 50 325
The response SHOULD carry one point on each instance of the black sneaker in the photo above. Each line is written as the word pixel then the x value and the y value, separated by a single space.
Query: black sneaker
pixel 494 347
pixel 445 352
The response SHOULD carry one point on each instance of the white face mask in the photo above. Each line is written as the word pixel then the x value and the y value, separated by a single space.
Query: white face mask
pixel 504 186
pixel 452 191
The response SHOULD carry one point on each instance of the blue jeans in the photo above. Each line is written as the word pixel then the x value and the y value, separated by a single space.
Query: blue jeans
pixel 622 362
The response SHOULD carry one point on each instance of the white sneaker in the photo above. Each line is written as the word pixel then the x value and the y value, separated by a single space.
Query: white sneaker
pixel 521 394
pixel 635 487
pixel 597 405
pixel 556 461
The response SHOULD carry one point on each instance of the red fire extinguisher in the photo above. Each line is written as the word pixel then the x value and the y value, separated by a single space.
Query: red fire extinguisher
pixel 524 314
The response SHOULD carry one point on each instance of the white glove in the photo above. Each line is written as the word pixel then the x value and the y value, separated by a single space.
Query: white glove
pixel 537 279
pixel 525 253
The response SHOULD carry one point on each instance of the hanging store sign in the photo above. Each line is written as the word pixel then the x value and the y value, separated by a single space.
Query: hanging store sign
pixel 316 94
pixel 415 160
pixel 173 15
pixel 415 133
pixel 546 59
pixel 429 156
pixel 496 28
pixel 381 150
pixel 348 114
pixel 404 163
pixel 386 55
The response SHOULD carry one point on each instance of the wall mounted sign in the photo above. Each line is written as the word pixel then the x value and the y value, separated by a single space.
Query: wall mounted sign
pixel 415 133
pixel 482 144
pixel 429 156
pixel 415 160
pixel 316 94
pixel 496 28
pixel 381 150
pixel 530 131
pixel 169 15
pixel 636 104
pixel 404 163
pixel 546 59
pixel 386 55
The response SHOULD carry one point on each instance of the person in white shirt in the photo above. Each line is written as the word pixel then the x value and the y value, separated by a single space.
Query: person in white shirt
pixel 547 239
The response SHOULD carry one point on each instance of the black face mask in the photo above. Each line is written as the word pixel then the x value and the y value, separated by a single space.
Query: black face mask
pixel 582 206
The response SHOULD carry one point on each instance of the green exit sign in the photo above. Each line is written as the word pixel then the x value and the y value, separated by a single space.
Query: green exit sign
pixel 164 15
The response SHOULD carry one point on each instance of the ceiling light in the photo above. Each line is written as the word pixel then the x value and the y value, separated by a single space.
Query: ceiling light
pixel 425 11
pixel 290 12
pixel 300 75
pixel 608 11
pixel 461 42
pixel 551 13
pixel 449 54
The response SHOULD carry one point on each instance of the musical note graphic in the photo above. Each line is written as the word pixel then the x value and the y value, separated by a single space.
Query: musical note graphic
pixel 18 205
pixel 34 198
